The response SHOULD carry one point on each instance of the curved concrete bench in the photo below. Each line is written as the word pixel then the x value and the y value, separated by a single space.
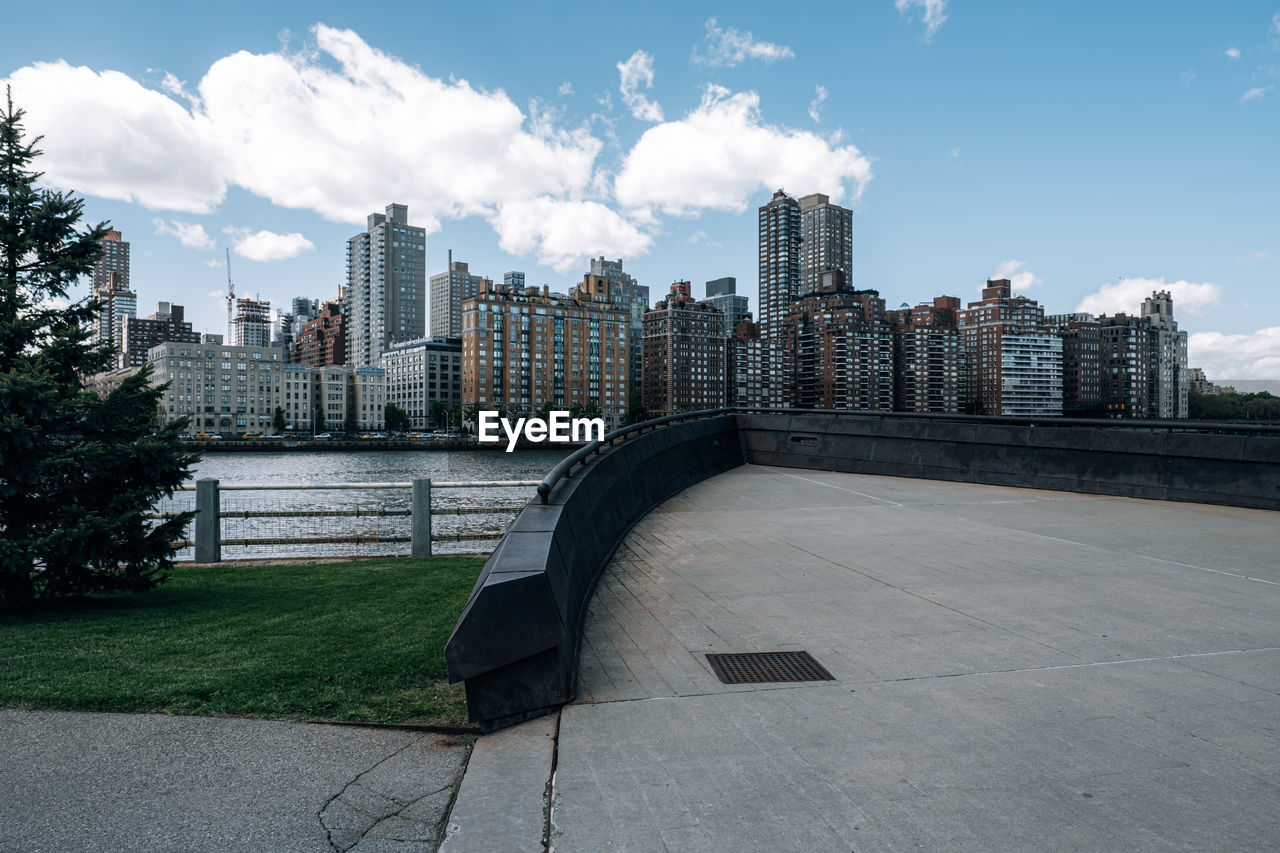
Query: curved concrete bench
pixel 516 643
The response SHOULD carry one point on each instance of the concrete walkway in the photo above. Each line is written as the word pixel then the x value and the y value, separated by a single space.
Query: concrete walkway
pixel 147 782
pixel 1015 670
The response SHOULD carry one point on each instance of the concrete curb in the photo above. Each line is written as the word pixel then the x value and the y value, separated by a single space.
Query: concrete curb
pixel 502 802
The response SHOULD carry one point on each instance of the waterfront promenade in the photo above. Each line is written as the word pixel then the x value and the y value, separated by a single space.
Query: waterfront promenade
pixel 1014 670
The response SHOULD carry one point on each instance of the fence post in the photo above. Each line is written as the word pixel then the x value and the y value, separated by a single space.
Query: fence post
pixel 208 524
pixel 421 536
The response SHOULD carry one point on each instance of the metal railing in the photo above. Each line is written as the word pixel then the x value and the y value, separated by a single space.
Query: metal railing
pixel 210 512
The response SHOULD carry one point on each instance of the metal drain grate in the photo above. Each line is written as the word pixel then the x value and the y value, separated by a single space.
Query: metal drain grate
pixel 767 667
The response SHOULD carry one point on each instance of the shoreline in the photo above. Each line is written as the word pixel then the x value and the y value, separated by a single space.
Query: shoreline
pixel 260 446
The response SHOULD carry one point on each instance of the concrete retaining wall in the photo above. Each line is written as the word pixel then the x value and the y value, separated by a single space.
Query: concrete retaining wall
pixel 516 643
pixel 1237 470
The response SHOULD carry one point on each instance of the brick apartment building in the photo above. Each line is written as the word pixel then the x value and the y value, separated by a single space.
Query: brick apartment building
pixel 684 354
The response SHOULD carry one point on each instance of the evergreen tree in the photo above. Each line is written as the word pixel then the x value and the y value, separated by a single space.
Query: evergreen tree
pixel 397 419
pixel 78 473
pixel 277 420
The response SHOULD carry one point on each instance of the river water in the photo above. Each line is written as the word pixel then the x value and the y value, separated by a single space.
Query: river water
pixel 295 510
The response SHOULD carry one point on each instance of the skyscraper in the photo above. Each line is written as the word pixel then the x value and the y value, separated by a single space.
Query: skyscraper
pixel 837 349
pixel 449 289
pixel 386 285
pixel 1169 382
pixel 116 302
pixel 827 230
pixel 1015 367
pixel 252 324
pixel 780 240
pixel 684 352
pixel 926 354
pixel 722 293
pixel 633 298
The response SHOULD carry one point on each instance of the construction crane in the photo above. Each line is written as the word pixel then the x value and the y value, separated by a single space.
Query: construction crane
pixel 231 298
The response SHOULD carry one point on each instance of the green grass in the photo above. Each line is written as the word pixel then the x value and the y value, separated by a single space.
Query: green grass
pixel 358 642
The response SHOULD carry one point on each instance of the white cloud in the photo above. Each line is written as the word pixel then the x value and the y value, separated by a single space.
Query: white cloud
pixel 933 13
pixel 1232 52
pixel 815 106
pixel 171 84
pixel 1275 30
pixel 563 234
pixel 722 152
pixel 213 263
pixel 340 128
pixel 1020 277
pixel 1127 294
pixel 955 153
pixel 190 234
pixel 702 237
pixel 1186 78
pixel 1255 93
pixel 1252 257
pixel 730 47
pixel 633 74
pixel 265 246
pixel 144 146
pixel 566 88
pixel 1252 356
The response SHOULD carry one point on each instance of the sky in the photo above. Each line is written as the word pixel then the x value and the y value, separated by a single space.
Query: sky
pixel 1092 152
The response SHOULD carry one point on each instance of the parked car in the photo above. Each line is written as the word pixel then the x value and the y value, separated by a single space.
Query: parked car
pixel 324 436
pixel 186 436
pixel 248 436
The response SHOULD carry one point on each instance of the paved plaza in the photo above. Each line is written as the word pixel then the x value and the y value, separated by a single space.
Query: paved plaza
pixel 1014 670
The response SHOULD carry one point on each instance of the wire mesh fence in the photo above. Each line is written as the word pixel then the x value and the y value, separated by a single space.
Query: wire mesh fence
pixel 325 520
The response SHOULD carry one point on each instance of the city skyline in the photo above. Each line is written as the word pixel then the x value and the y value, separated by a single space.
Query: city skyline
pixel 1112 164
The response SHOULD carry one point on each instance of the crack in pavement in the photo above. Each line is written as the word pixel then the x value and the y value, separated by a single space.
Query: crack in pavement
pixel 354 818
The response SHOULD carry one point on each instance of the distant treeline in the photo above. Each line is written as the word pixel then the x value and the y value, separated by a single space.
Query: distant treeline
pixel 1261 406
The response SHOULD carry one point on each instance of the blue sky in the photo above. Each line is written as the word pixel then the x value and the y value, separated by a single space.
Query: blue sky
pixel 1092 151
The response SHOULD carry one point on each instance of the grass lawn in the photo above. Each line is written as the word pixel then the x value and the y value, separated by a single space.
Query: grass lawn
pixel 359 642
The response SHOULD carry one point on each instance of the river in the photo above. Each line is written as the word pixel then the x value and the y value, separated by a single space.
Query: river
pixel 368 466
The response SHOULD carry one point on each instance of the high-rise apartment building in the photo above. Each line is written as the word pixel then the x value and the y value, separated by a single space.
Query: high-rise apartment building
pixel 521 350
pixel 684 352
pixel 449 290
pixel 514 279
pixel 1014 366
pixel 251 326
pixel 111 270
pixel 110 288
pixel 722 293
pixel 1081 363
pixel 837 349
pixel 1169 383
pixel 780 241
pixel 322 341
pixel 746 366
pixel 926 354
pixel 633 298
pixel 423 373
pixel 1126 365
pixel 828 241
pixel 166 324
pixel 386 285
